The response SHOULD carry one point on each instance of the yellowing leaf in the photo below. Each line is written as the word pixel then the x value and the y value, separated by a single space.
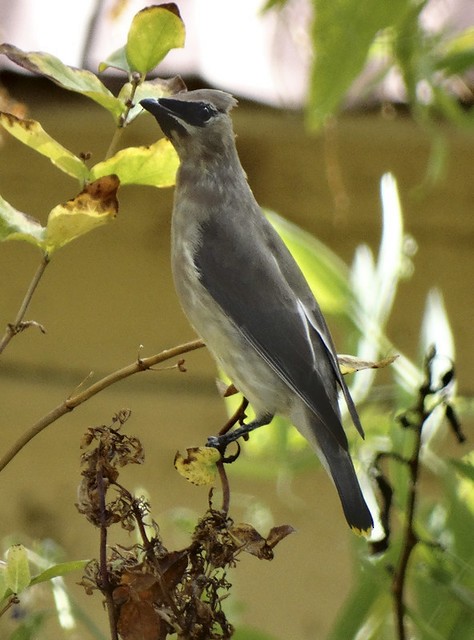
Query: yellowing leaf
pixel 93 207
pixel 351 364
pixel 153 32
pixel 17 572
pixel 78 80
pixel 155 165
pixel 15 225
pixel 199 467
pixel 31 133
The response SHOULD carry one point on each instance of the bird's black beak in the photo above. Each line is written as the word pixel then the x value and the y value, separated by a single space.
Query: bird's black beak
pixel 166 116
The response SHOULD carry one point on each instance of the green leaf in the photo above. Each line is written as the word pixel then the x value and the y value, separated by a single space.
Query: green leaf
pixel 15 225
pixel 367 607
pixel 70 78
pixel 155 165
pixel 153 33
pixel 31 133
pixel 96 205
pixel 116 60
pixel 17 572
pixel 326 273
pixel 60 569
pixel 343 33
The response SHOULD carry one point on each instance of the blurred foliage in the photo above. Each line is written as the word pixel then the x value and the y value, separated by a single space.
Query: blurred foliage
pixel 358 46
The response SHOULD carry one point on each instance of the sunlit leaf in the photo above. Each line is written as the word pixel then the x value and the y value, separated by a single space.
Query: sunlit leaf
pixel 155 165
pixel 15 225
pixel 153 33
pixel 96 205
pixel 78 80
pixel 343 32
pixel 199 466
pixel 60 569
pixel 17 572
pixel 31 133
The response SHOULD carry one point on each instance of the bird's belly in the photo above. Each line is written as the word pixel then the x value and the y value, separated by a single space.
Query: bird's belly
pixel 251 375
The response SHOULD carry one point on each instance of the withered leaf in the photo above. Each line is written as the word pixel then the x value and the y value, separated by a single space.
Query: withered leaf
pixel 351 364
pixel 138 620
pixel 277 534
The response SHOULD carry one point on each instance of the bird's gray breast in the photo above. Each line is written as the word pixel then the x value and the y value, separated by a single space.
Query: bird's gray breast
pixel 264 389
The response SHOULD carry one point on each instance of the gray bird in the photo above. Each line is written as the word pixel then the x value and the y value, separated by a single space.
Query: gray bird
pixel 246 297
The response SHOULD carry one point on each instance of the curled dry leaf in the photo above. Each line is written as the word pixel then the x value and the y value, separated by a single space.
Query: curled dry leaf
pixel 252 542
pixel 199 466
pixel 351 364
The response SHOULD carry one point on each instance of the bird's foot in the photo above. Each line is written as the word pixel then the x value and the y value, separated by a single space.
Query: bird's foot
pixel 222 440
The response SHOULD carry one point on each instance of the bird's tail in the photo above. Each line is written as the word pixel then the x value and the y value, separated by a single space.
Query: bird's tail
pixel 338 463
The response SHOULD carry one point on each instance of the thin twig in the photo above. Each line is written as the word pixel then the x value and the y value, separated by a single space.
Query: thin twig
pixel 136 80
pixel 16 326
pixel 68 405
pixel 225 486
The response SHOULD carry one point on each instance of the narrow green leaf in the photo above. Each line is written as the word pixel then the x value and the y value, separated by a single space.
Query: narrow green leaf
pixel 31 133
pixel 343 32
pixel 70 78
pixel 17 571
pixel 325 271
pixel 153 33
pixel 155 165
pixel 367 607
pixel 15 225
pixel 60 569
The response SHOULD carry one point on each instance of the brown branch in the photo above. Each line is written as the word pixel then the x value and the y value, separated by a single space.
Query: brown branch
pixel 68 405
pixel 18 325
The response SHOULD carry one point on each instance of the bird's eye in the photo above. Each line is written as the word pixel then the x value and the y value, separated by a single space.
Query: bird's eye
pixel 207 112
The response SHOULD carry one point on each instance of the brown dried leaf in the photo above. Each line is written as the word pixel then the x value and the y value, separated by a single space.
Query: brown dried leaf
pixel 138 620
pixel 248 538
pixel 277 534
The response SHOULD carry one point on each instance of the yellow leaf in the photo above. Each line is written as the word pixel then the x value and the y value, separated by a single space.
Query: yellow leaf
pixel 31 133
pixel 93 207
pixel 155 165
pixel 199 467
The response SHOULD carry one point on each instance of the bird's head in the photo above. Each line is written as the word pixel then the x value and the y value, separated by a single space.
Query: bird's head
pixel 194 120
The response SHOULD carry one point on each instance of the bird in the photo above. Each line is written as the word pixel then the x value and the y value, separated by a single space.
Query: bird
pixel 245 295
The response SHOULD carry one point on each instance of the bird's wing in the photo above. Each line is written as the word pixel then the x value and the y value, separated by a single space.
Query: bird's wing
pixel 247 282
pixel 297 282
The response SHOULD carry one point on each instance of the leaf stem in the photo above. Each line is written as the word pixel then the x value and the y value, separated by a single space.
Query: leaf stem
pixel 18 325
pixel 68 405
